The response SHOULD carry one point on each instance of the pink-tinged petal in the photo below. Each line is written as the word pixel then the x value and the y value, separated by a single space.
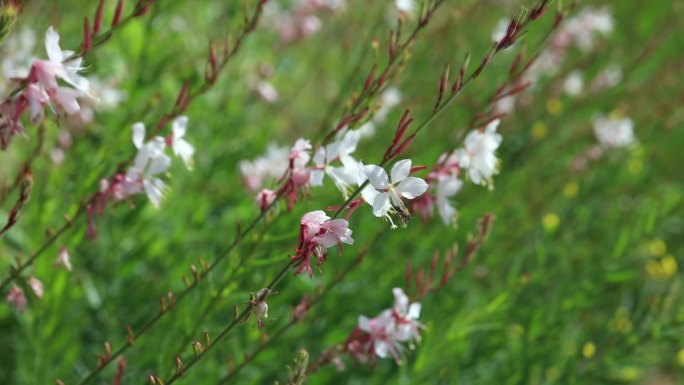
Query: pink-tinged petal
pixel 327 240
pixel 381 204
pixel 377 177
pixel 54 52
pixel 179 127
pixel 401 301
pixel 364 323
pixel 401 170
pixel 138 135
pixel 412 187
pixel 65 98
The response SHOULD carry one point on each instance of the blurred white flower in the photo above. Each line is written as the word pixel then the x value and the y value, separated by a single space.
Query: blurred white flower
pixel 149 162
pixel 614 132
pixel 180 146
pixel 574 83
pixel 479 154
pixel 447 187
pixel 343 177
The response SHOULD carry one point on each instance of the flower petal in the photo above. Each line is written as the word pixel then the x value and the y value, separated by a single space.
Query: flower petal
pixel 401 170
pixel 54 52
pixel 381 204
pixel 377 177
pixel 138 134
pixel 412 187
pixel 180 125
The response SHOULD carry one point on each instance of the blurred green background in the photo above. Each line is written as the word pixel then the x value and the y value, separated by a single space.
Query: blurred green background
pixel 578 282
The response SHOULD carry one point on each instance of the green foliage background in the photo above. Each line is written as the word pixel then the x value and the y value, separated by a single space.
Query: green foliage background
pixel 564 269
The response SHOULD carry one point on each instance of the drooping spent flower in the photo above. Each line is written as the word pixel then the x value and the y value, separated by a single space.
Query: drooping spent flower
pixel 318 233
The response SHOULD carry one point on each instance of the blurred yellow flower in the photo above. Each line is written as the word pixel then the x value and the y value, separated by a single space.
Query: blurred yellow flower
pixel 550 222
pixel 634 166
pixel 629 373
pixel 554 107
pixel 570 189
pixel 588 350
pixel 680 357
pixel 657 248
pixel 539 130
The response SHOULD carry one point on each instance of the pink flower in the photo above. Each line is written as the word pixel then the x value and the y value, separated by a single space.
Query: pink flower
pixel 317 234
pixel 264 199
pixel 36 286
pixel 300 153
pixel 16 298
pixel 63 259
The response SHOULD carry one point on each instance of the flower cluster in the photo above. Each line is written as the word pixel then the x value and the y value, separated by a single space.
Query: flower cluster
pixel 149 162
pixel 296 172
pixel 42 88
pixel 385 335
pixel 477 159
pixel 318 233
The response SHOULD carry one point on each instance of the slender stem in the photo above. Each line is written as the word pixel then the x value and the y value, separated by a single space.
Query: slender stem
pixel 316 299
pixel 177 110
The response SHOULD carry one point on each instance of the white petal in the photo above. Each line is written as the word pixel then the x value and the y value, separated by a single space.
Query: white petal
pixel 316 177
pixel 54 52
pixel 179 127
pixel 369 194
pixel 377 176
pixel 364 323
pixel 319 157
pixel 185 150
pixel 158 164
pixel 138 134
pixel 412 187
pixel 401 170
pixel 155 190
pixel 381 204
pixel 414 310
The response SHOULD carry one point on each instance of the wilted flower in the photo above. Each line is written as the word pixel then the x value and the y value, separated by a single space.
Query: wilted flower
pixel 36 286
pixel 318 233
pixel 63 259
pixel 16 298
pixel 264 199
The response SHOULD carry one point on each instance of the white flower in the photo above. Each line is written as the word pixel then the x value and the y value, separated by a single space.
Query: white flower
pixel 180 146
pixel 343 177
pixel 447 187
pixel 271 165
pixel 63 259
pixel 614 132
pixel 407 315
pixel 300 153
pixel 479 155
pixel 500 30
pixel 384 336
pixel 384 193
pixel 66 70
pixel 150 161
pixel 406 6
pixel 574 83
